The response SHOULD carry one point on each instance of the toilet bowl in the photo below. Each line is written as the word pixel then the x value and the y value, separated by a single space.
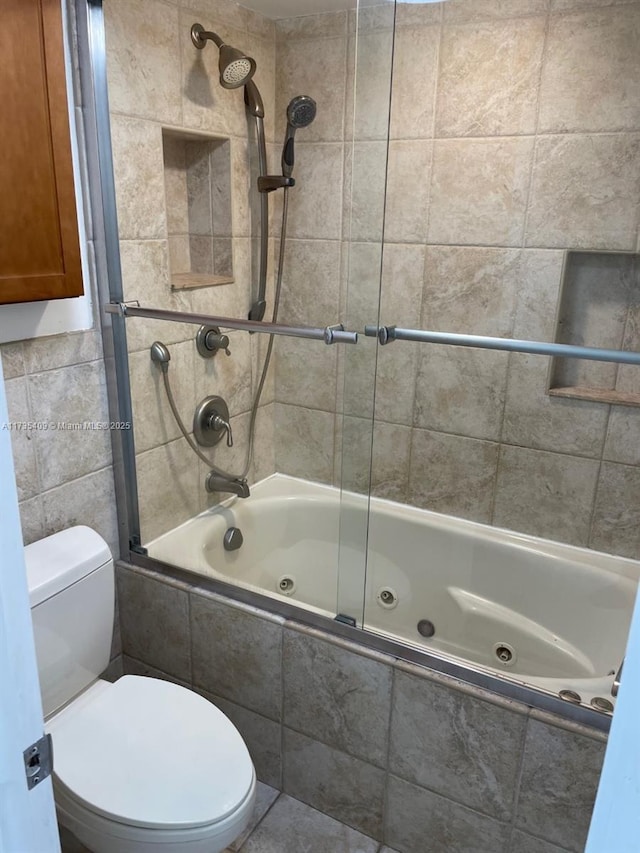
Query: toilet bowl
pixel 140 765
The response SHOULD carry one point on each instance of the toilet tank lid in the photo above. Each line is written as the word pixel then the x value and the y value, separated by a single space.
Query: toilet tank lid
pixel 60 560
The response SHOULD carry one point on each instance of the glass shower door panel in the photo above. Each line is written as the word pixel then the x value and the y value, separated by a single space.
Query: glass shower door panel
pixel 366 139
pixel 496 225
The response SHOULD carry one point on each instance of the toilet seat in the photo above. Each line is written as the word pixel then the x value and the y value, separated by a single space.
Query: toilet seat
pixel 150 754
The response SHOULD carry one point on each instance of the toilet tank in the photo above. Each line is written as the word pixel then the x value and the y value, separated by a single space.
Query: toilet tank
pixel 70 576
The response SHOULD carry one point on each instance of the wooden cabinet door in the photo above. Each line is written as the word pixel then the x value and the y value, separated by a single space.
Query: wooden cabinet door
pixel 39 247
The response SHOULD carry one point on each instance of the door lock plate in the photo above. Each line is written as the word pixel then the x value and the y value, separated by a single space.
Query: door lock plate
pixel 38 761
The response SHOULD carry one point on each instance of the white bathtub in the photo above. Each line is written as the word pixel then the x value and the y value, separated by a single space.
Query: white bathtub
pixel 560 614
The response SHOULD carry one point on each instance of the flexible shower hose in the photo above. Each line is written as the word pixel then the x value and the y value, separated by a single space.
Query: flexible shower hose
pixel 256 402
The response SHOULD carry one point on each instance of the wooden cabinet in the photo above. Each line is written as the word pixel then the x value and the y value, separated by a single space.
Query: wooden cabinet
pixel 39 246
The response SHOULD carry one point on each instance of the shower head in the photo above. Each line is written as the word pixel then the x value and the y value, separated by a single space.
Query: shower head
pixel 300 113
pixel 236 69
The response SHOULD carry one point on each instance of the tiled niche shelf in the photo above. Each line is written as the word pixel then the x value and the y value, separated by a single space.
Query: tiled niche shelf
pixel 197 182
pixel 599 306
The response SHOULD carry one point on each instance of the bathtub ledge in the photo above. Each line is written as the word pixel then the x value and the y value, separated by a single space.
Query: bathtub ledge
pixel 456 684
pixel 568 725
pixel 340 642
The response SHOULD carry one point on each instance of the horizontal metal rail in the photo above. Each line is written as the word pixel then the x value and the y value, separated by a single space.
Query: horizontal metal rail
pixel 388 334
pixel 330 334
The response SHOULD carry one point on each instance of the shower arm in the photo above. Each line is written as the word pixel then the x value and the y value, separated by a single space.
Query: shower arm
pixel 202 35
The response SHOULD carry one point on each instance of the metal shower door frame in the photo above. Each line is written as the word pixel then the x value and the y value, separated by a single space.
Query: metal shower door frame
pixel 95 121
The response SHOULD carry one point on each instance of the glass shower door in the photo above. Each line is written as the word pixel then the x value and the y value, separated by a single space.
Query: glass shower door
pixel 510 215
pixel 366 145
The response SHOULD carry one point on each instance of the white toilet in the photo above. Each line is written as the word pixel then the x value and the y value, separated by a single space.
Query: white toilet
pixel 140 765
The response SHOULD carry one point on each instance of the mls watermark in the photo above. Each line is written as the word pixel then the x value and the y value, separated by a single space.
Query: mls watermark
pixel 64 426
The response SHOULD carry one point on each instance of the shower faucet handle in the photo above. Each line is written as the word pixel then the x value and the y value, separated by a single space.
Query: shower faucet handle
pixel 211 422
pixel 218 424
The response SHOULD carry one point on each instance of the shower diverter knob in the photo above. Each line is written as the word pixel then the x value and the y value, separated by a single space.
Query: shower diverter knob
pixel 209 341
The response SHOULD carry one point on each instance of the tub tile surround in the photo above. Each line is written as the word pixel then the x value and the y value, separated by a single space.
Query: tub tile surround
pixel 608 39
pixel 237 655
pixel 369 60
pixel 491 182
pixel 399 753
pixel 549 788
pixel 444 741
pixel 190 100
pixel 521 843
pixel 334 782
pixel 337 698
pixel 569 173
pixel 489 78
pixel 262 736
pixel 416 813
pixel 154 624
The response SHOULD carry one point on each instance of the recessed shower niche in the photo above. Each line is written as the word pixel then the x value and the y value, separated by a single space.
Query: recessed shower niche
pixel 197 181
pixel 599 306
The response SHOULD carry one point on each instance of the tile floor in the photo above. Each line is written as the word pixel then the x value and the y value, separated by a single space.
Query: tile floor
pixel 281 824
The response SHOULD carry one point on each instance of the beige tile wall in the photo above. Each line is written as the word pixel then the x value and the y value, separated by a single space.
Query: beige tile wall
pixel 157 78
pixel 515 134
pixel 64 477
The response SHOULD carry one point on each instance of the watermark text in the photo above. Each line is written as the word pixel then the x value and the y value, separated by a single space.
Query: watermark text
pixel 63 426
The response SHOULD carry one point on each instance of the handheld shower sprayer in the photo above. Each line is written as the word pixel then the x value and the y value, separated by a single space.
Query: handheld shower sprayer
pixel 236 69
pixel 300 113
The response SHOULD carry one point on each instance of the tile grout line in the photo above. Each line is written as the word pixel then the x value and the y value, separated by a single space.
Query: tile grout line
pixel 601 462
pixel 518 782
pixel 434 124
pixel 282 704
pixel 248 838
pixel 496 441
pixel 190 624
pixel 36 452
pixel 335 141
pixel 536 135
pixel 385 802
pixel 425 265
pixel 496 479
pixel 390 774
pixel 361 241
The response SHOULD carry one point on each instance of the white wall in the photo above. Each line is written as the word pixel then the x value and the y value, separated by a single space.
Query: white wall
pixel 615 825
pixel 27 818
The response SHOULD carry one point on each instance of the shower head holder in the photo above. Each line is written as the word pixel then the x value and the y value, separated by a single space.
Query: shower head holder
pixel 269 183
